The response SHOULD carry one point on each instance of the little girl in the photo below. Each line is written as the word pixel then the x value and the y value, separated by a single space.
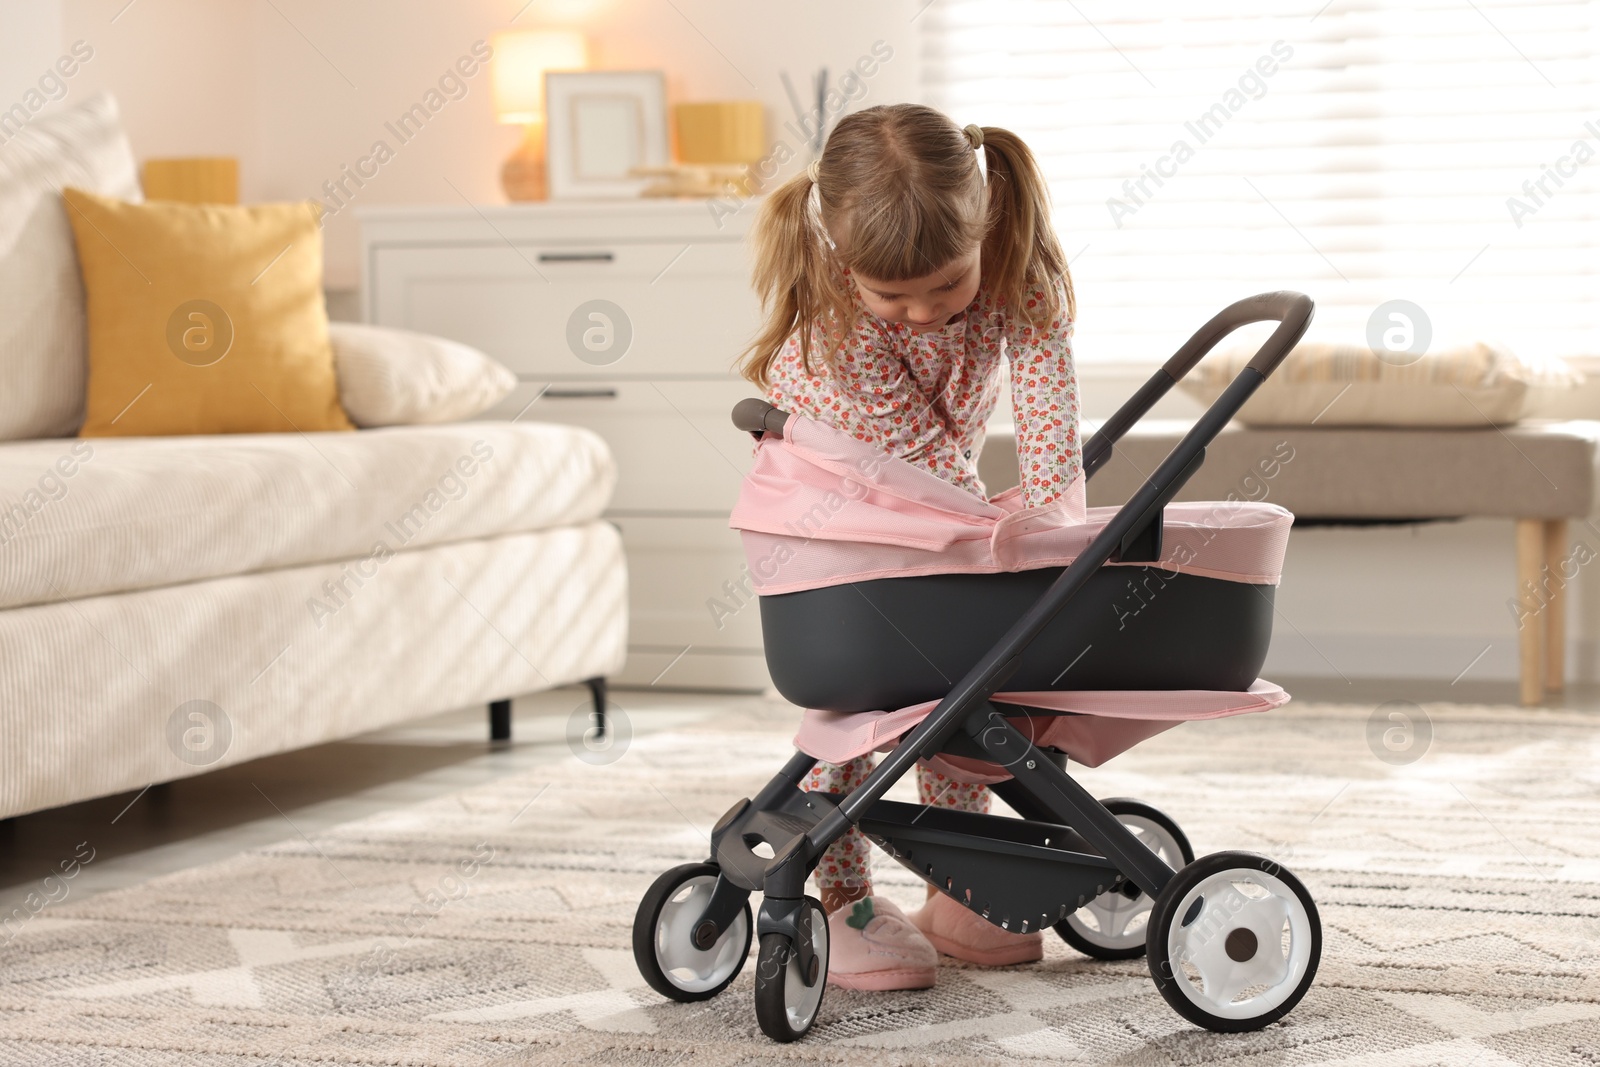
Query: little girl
pixel 897 273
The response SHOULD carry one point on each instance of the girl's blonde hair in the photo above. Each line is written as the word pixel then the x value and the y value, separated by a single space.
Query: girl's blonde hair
pixel 900 195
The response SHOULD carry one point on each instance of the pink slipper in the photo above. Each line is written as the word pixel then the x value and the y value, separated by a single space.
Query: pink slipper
pixel 872 945
pixel 966 935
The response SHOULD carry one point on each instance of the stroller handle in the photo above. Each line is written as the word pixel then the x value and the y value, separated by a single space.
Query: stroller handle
pixel 1291 311
pixel 758 417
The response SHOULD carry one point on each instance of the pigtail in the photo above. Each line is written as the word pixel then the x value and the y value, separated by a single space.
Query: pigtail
pixel 1021 255
pixel 792 275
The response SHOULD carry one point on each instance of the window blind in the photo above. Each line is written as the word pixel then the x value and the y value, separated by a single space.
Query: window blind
pixel 1442 153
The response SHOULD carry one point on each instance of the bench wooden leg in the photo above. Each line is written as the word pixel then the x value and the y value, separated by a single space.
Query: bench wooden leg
pixel 1530 572
pixel 1555 608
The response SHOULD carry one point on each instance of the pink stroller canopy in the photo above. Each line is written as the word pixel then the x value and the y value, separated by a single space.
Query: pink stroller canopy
pixel 821 508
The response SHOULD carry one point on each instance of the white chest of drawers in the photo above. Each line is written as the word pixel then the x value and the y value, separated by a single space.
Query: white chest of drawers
pixel 650 369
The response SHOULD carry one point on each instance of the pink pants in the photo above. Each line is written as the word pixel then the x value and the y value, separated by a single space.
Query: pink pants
pixel 846 864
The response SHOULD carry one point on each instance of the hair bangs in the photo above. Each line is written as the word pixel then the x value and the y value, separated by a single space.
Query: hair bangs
pixel 909 231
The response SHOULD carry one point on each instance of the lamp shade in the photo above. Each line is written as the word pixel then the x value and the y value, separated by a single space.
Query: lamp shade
pixel 521 58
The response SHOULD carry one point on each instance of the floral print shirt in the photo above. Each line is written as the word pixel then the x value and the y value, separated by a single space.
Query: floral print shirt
pixel 925 397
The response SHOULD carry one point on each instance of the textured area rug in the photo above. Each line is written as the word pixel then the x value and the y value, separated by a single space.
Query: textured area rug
pixel 1458 878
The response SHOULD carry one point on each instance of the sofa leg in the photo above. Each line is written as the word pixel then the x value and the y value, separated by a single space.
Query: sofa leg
pixel 597 689
pixel 500 720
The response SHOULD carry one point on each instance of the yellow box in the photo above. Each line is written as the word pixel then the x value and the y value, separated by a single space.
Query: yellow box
pixel 729 131
pixel 198 180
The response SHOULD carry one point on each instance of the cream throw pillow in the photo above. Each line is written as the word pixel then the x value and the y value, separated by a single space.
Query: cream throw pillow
pixel 399 378
pixel 1468 385
pixel 43 336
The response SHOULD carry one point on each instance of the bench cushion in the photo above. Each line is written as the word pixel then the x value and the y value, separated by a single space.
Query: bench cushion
pixel 80 518
pixel 1535 469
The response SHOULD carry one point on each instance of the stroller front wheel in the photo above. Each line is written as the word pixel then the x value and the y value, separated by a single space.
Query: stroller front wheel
pixel 663 936
pixel 1234 941
pixel 789 983
pixel 1112 925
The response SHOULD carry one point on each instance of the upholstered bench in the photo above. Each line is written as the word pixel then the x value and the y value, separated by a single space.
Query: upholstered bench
pixel 1537 473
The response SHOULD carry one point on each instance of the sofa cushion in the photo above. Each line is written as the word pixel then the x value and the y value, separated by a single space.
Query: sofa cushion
pixel 80 518
pixel 393 377
pixel 43 351
pixel 204 318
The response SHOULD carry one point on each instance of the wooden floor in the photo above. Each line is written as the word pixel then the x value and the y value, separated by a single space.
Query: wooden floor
pixel 199 820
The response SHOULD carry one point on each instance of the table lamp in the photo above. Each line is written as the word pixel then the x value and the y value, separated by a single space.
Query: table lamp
pixel 521 58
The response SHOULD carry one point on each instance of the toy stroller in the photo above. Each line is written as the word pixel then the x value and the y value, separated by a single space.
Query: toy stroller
pixel 879 584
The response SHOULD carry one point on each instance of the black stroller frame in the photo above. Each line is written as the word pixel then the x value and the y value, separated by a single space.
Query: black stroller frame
pixel 1022 874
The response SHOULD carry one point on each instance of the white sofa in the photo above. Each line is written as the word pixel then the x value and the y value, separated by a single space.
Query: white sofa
pixel 170 605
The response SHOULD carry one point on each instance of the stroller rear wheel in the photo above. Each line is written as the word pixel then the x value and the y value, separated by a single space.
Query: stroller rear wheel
pixel 1234 942
pixel 790 982
pixel 664 936
pixel 1112 925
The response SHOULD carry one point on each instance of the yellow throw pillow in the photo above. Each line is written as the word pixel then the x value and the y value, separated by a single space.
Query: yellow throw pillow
pixel 204 318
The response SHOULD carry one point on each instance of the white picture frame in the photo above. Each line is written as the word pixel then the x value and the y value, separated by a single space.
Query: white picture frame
pixel 600 124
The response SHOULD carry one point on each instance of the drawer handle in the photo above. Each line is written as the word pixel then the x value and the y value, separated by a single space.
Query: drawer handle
pixel 576 257
pixel 581 394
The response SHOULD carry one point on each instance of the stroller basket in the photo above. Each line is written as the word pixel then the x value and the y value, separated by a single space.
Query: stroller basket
pixel 896 608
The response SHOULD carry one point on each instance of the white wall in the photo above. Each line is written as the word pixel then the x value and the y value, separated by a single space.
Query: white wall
pixel 30 41
pixel 298 88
